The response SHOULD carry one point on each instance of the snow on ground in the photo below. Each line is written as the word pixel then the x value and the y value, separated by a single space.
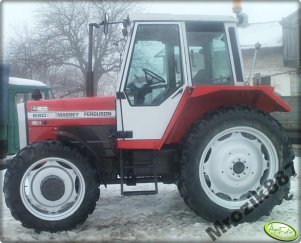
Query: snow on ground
pixel 162 217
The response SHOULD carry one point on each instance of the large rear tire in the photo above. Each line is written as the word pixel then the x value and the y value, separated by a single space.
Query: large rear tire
pixel 50 187
pixel 231 162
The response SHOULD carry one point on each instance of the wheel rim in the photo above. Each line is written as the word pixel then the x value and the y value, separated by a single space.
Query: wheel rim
pixel 52 188
pixel 235 164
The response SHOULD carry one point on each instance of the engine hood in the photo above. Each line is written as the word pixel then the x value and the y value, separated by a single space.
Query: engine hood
pixel 93 111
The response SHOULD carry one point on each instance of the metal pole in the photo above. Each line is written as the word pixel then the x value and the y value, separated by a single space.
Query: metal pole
pixel 90 76
pixel 250 79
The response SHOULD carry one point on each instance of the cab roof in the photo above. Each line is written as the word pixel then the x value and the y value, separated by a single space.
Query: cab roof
pixel 25 82
pixel 147 17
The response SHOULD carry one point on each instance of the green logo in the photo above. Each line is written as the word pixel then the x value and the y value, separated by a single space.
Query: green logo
pixel 280 231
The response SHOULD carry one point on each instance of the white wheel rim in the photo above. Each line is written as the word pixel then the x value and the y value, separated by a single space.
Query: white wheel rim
pixel 235 163
pixel 52 189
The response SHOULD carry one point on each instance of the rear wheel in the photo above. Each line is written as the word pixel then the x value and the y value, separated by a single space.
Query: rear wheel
pixel 50 186
pixel 230 162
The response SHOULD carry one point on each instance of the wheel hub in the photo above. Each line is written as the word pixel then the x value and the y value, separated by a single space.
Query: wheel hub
pixel 52 188
pixel 239 167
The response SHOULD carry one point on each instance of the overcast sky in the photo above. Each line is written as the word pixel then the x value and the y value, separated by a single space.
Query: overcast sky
pixel 18 14
pixel 21 12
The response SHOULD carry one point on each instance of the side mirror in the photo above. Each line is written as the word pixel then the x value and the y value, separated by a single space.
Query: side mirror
pixel 105 24
pixel 126 22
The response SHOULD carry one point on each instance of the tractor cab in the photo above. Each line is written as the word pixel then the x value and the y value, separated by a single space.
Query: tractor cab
pixel 166 55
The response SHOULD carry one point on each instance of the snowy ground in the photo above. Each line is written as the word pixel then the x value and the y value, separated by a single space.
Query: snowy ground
pixel 162 217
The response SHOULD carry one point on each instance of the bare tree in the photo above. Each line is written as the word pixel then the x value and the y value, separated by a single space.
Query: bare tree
pixel 65 34
pixel 56 50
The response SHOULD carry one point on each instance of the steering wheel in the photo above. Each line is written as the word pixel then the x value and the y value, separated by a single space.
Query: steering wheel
pixel 150 76
pixel 222 78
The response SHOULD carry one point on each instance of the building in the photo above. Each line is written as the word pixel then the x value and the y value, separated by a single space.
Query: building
pixel 278 58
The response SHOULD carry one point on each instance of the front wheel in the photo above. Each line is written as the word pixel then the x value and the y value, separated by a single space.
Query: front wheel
pixel 50 186
pixel 230 163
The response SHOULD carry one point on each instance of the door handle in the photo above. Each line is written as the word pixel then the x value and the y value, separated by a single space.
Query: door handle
pixel 179 92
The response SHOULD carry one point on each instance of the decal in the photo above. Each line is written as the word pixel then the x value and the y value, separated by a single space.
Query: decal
pixel 98 114
pixel 67 114
pixel 39 115
pixel 71 114
pixel 36 123
pixel 39 108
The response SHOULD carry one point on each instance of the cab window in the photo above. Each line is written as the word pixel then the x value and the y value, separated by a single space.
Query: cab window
pixel 155 70
pixel 209 55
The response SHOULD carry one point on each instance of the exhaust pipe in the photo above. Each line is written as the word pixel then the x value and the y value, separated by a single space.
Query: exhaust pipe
pixel 90 91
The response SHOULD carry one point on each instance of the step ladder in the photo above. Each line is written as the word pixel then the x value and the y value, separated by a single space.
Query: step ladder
pixel 153 179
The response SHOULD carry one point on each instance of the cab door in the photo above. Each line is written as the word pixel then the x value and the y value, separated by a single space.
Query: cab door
pixel 152 84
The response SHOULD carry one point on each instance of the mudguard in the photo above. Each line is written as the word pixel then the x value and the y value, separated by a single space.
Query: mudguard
pixel 198 100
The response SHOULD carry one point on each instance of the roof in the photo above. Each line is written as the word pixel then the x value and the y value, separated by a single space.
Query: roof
pixel 293 19
pixel 268 34
pixel 25 82
pixel 172 17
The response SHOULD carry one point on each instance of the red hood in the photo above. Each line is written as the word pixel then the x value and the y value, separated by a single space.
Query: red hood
pixel 67 112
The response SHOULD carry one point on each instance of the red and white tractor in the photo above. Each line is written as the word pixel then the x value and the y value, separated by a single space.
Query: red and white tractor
pixel 182 114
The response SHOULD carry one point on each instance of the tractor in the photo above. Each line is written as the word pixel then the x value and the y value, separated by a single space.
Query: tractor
pixel 182 114
pixel 12 92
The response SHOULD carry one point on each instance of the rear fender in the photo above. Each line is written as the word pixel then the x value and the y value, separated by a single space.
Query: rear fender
pixel 198 100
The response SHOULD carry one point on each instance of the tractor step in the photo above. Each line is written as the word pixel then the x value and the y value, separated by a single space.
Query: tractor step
pixel 138 166
pixel 135 193
pixel 132 181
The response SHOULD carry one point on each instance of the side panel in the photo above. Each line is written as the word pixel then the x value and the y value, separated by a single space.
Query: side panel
pixel 47 116
pixel 4 73
pixel 12 132
pixel 22 126
pixel 97 137
pixel 198 100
